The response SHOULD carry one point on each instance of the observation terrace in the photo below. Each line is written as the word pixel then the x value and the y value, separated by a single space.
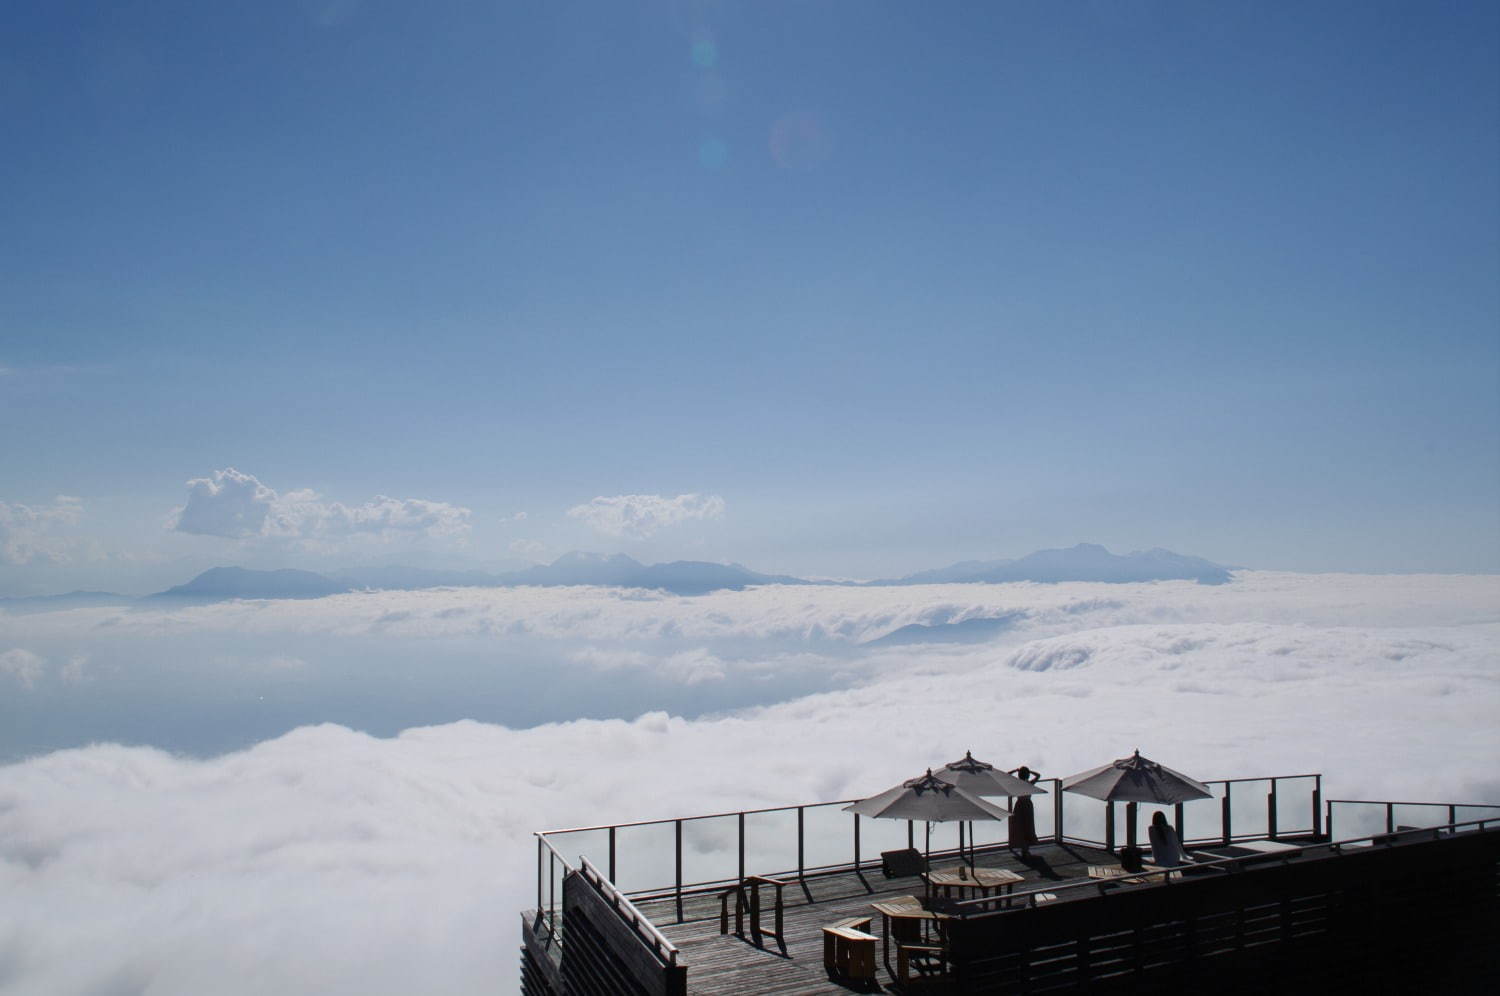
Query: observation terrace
pixel 1289 892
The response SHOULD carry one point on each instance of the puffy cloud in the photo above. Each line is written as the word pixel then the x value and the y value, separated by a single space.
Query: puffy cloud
pixel 228 503
pixel 33 533
pixel 236 505
pixel 641 516
pixel 22 665
pixel 27 668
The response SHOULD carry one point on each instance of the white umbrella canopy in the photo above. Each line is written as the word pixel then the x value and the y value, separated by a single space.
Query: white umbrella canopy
pixel 1136 779
pixel 931 799
pixel 978 778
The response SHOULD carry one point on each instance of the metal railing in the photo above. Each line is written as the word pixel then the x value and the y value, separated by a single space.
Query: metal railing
pixel 550 918
pixel 1247 825
pixel 729 839
pixel 1048 891
pixel 1448 813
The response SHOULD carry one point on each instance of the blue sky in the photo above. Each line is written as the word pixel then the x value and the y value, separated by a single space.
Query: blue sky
pixel 900 284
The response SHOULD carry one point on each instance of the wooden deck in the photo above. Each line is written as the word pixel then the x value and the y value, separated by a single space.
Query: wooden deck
pixel 724 963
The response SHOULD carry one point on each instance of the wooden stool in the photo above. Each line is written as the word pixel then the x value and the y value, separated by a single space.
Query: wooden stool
pixel 848 952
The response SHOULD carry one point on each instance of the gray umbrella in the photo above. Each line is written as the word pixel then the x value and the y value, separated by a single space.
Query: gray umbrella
pixel 930 799
pixel 977 778
pixel 1136 779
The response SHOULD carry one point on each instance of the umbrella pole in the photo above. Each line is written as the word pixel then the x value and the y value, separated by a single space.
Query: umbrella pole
pixel 928 860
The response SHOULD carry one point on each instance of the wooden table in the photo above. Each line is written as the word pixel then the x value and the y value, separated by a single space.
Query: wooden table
pixel 903 918
pixel 982 881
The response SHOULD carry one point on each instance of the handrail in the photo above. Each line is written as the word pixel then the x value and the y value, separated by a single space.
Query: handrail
pixel 678 887
pixel 843 802
pixel 665 949
pixel 1388 802
pixel 1164 876
pixel 706 816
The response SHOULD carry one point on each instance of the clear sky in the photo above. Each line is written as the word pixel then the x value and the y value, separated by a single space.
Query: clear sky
pixel 883 285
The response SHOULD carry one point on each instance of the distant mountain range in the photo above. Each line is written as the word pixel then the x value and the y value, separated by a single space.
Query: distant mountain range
pixel 1084 562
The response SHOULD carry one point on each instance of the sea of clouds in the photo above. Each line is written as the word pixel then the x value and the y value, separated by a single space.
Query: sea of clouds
pixel 319 857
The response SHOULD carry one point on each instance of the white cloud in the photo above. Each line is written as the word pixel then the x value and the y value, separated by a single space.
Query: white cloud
pixel 641 516
pixel 328 860
pixel 22 665
pixel 528 548
pixel 236 505
pixel 35 533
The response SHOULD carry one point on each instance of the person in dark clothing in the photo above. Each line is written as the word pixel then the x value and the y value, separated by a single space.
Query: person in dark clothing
pixel 1023 815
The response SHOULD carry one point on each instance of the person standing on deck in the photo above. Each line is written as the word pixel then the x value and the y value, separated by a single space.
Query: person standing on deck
pixel 1023 815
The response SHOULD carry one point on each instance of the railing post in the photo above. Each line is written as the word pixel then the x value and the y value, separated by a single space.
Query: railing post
pixel 540 856
pixel 1317 805
pixel 1328 824
pixel 1390 817
pixel 742 848
pixel 551 893
pixel 612 876
pixel 1057 812
pixel 679 870
pixel 1226 827
pixel 800 861
pixel 1271 811
pixel 856 842
pixel 1452 815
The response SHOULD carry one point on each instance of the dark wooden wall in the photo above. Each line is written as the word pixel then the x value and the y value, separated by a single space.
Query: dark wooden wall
pixel 603 955
pixel 1414 916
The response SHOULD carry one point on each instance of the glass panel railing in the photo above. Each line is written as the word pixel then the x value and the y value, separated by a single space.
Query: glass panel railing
pixel 1248 816
pixel 645 857
pixel 828 836
pixel 1083 818
pixel 771 842
pixel 710 850
pixel 880 835
pixel 1295 802
pixel 1203 819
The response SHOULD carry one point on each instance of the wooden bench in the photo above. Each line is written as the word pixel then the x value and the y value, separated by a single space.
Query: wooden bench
pixel 849 949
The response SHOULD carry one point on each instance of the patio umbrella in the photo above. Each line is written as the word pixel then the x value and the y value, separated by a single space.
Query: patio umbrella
pixel 1134 780
pixel 930 799
pixel 978 778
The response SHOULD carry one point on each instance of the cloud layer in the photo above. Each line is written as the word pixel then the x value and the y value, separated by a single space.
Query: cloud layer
pixel 642 516
pixel 236 505
pixel 33 534
pixel 329 860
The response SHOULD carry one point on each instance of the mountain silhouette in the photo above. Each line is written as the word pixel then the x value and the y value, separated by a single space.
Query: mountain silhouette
pixel 1084 562
pixel 219 583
